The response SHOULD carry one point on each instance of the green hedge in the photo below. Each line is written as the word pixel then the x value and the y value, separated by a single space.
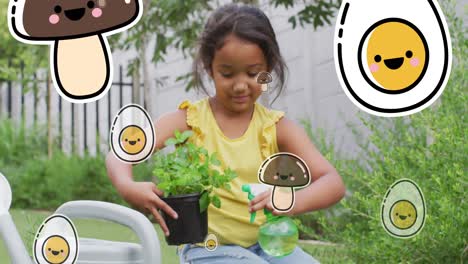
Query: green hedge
pixel 429 147
pixel 42 183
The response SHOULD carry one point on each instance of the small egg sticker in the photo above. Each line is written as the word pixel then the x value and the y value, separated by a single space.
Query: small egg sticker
pixel 56 241
pixel 211 242
pixel 403 209
pixel 393 57
pixel 132 136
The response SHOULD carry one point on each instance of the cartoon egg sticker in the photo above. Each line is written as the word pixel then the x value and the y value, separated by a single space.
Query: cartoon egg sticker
pixel 132 136
pixel 390 61
pixel 56 241
pixel 211 242
pixel 403 209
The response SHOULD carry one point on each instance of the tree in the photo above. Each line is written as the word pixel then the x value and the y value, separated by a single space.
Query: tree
pixel 14 53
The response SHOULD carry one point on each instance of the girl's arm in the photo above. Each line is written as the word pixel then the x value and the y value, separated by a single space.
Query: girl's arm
pixel 145 195
pixel 326 187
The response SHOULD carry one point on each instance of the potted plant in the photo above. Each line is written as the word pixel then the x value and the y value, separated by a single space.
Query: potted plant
pixel 188 176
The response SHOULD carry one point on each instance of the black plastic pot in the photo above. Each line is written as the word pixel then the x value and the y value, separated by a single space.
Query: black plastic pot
pixel 191 226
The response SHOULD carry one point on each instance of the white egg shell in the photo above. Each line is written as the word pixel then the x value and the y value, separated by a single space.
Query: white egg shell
pixel 132 115
pixel 15 21
pixel 211 237
pixel 403 189
pixel 56 225
pixel 355 18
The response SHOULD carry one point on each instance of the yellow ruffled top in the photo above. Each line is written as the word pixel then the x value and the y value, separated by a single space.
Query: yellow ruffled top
pixel 231 223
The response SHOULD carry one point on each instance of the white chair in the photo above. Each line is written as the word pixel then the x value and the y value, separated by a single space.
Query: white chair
pixel 91 251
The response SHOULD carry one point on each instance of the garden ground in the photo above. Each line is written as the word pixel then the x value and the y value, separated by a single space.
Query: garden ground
pixel 28 221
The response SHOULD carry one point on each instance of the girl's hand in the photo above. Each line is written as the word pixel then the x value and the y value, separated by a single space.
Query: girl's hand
pixel 263 200
pixel 145 196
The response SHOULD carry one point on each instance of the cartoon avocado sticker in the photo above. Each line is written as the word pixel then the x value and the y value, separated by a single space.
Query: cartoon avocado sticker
pixel 403 211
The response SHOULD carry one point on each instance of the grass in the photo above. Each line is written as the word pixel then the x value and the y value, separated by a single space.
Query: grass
pixel 327 254
pixel 28 222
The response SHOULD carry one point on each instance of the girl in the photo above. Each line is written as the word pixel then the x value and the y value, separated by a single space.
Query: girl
pixel 237 44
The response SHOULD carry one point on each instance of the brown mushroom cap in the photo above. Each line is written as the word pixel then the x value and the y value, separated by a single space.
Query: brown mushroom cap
pixel 264 78
pixel 77 18
pixel 290 171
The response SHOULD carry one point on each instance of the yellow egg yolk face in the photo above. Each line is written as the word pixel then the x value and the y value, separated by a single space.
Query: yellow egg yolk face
pixel 396 56
pixel 132 139
pixel 210 244
pixel 56 250
pixel 403 214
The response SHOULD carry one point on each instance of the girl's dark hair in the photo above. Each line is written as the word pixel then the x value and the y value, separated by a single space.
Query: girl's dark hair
pixel 246 22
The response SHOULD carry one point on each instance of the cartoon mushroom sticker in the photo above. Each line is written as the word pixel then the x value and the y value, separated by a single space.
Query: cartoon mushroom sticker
pixel 285 171
pixel 80 58
pixel 264 78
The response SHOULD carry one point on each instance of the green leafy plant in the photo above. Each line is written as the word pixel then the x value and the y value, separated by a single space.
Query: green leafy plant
pixel 191 169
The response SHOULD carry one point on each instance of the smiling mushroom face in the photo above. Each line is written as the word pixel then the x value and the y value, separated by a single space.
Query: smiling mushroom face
pixel 284 171
pixel 264 78
pixel 62 19
pixel 77 30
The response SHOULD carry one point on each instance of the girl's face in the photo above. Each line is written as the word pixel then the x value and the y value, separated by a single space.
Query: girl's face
pixel 234 71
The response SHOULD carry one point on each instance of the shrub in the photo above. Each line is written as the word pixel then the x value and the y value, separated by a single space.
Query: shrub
pixel 308 223
pixel 44 183
pixel 430 148
pixel 19 142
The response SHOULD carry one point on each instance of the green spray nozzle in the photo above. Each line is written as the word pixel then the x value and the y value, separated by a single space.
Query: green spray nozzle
pixel 246 188
pixel 250 196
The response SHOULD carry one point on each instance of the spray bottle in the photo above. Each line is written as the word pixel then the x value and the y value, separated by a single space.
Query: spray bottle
pixel 278 236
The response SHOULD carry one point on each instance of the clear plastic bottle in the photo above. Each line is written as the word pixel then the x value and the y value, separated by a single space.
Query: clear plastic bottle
pixel 279 235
